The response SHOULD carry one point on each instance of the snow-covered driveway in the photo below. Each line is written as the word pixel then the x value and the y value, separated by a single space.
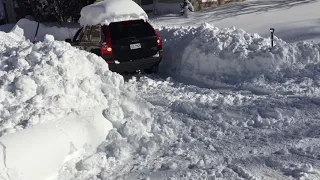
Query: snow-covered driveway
pixel 225 105
pixel 235 108
pixel 228 134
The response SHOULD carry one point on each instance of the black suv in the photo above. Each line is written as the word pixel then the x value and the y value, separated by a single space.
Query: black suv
pixel 127 46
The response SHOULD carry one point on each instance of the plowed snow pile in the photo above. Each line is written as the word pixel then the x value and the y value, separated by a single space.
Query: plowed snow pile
pixel 51 80
pixel 220 133
pixel 216 57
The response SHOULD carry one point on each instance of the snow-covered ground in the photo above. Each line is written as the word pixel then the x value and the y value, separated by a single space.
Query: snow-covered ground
pixel 253 117
pixel 224 106
pixel 294 20
pixel 230 134
pixel 231 108
pixel 55 100
pixel 213 57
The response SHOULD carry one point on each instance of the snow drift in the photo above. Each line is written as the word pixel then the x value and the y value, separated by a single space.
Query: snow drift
pixel 61 99
pixel 109 11
pixel 44 147
pixel 212 56
pixel 49 80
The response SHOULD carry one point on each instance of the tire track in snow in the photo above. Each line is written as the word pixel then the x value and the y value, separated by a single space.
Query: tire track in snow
pixel 231 126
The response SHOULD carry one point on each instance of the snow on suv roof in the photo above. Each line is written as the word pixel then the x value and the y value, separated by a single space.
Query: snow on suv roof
pixel 109 11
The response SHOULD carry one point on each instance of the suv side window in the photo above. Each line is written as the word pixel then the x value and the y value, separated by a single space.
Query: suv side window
pixel 91 34
pixel 86 34
pixel 95 34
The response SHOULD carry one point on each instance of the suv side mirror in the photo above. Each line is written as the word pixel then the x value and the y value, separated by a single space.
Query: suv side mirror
pixel 68 40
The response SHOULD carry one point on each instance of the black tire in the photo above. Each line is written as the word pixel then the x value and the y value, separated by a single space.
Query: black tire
pixel 152 70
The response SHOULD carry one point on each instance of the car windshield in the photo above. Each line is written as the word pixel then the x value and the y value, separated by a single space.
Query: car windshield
pixel 130 29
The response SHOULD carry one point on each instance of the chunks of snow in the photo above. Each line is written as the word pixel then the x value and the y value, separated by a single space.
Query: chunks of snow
pixel 56 99
pixel 50 80
pixel 109 11
pixel 211 55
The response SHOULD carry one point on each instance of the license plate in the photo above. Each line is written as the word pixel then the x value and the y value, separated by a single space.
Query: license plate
pixel 135 46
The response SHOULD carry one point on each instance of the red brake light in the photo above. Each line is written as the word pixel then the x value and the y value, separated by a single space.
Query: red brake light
pixel 106 47
pixel 159 42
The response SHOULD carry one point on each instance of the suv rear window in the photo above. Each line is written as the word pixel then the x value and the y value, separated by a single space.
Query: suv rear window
pixel 130 29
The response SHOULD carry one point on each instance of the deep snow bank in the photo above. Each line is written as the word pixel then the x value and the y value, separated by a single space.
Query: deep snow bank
pixel 231 56
pixel 49 80
pixel 45 146
pixel 64 99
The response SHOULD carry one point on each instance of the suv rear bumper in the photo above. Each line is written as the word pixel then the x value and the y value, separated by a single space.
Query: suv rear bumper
pixel 134 65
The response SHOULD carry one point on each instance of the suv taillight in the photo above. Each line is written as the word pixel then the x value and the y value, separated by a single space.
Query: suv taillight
pixel 159 42
pixel 106 47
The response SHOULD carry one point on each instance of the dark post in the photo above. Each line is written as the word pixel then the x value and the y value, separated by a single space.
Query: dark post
pixel 35 36
pixel 272 32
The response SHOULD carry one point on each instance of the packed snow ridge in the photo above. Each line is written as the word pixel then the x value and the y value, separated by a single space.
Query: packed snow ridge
pixel 231 56
pixel 53 92
pixel 191 129
pixel 109 11
pixel 52 80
